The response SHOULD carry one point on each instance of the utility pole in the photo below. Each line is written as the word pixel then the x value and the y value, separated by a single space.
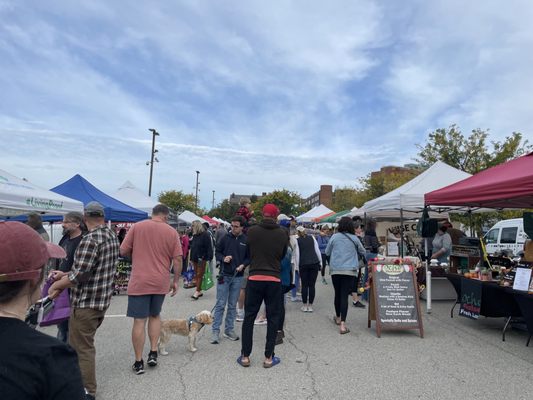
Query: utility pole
pixel 197 183
pixel 151 162
pixel 213 201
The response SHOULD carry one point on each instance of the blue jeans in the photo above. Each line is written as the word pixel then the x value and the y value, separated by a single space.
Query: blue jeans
pixel 227 293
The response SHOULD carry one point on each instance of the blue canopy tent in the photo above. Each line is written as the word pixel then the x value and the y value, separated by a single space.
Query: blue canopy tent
pixel 81 189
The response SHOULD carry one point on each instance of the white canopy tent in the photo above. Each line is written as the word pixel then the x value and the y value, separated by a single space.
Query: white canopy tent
pixel 129 194
pixel 315 212
pixel 221 221
pixel 189 217
pixel 407 201
pixel 18 196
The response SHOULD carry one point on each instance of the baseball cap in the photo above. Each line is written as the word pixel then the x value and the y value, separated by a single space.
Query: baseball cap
pixel 94 209
pixel 23 253
pixel 300 228
pixel 283 217
pixel 270 211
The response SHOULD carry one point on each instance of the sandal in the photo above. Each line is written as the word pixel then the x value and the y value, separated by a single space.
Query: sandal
pixel 345 331
pixel 336 320
pixel 275 361
pixel 243 363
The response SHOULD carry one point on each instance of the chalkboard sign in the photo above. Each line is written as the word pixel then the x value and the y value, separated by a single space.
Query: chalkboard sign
pixel 470 298
pixel 395 297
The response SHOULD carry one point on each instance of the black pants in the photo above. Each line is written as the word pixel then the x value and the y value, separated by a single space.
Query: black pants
pixel 343 285
pixel 308 274
pixel 256 293
pixel 325 260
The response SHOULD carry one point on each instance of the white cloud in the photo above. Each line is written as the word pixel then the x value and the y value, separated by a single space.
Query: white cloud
pixel 257 96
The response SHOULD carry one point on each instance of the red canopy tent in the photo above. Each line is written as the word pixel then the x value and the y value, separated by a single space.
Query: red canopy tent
pixel 508 185
pixel 210 220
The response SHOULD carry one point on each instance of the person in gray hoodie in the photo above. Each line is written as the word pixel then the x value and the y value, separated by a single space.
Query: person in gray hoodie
pixel 343 250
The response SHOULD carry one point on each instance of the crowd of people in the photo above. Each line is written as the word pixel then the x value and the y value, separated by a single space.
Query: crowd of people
pixel 260 266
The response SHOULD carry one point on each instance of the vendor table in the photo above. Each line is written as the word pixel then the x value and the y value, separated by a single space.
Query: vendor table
pixel 525 302
pixel 496 301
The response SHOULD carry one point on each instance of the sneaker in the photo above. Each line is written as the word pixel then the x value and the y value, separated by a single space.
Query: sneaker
pixel 324 281
pixel 138 367
pixel 309 309
pixel 152 359
pixel 231 336
pixel 304 308
pixel 215 339
pixel 296 299
pixel 240 315
pixel 358 304
pixel 260 322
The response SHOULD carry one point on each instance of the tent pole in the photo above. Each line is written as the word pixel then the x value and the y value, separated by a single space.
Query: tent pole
pixel 428 277
pixel 401 232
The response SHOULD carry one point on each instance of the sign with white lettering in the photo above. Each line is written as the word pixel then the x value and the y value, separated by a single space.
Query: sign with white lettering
pixel 396 301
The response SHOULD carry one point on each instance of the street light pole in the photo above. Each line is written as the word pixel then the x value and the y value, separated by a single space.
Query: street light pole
pixel 213 202
pixel 197 183
pixel 154 134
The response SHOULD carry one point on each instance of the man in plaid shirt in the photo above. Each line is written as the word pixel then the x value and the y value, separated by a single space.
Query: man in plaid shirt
pixel 91 283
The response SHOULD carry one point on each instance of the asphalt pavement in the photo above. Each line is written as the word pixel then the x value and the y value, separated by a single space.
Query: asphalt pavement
pixel 457 358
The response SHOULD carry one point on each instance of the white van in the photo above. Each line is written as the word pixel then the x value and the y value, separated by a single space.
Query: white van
pixel 506 235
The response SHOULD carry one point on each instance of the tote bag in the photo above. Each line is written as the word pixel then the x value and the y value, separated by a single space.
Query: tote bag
pixel 60 310
pixel 207 280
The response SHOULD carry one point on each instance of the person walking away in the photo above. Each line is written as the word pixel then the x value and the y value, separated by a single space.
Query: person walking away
pixel 154 248
pixel 91 283
pixel 371 244
pixel 33 365
pixel 72 234
pixel 184 242
pixel 322 240
pixel 356 299
pixel 36 222
pixel 310 262
pixel 267 244
pixel 232 255
pixel 343 249
pixel 201 254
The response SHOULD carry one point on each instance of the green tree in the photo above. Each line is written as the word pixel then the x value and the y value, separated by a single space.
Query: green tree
pixel 378 184
pixel 288 202
pixel 224 210
pixel 178 201
pixel 470 154
pixel 346 198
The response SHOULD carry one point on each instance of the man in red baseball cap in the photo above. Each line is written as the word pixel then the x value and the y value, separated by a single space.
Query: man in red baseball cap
pixel 28 357
pixel 267 243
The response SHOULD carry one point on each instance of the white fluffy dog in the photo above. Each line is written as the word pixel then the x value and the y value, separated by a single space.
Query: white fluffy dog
pixel 184 327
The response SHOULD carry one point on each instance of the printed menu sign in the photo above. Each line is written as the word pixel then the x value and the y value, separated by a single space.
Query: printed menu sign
pixel 470 298
pixel 396 297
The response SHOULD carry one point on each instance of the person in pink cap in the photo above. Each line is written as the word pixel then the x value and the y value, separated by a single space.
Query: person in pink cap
pixel 267 243
pixel 32 363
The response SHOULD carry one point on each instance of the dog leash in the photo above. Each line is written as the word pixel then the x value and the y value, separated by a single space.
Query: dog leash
pixel 229 281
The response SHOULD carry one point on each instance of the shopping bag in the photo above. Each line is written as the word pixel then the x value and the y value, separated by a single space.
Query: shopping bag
pixel 61 308
pixel 188 276
pixel 207 280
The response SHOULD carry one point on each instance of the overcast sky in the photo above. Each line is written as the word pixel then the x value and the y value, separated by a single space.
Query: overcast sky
pixel 256 95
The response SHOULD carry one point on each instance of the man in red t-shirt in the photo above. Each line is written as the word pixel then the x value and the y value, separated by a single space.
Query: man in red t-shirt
pixel 154 247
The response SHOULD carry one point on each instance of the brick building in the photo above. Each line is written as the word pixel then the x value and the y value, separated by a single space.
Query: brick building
pixel 323 196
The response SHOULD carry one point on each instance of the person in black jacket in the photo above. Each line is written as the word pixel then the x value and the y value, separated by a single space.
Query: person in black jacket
pixel 73 228
pixel 232 255
pixel 201 254
pixel 33 365
pixel 267 244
